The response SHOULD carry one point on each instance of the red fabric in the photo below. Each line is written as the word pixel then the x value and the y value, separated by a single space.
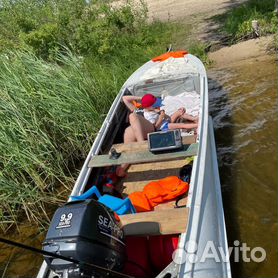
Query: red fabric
pixel 161 250
pixel 167 55
pixel 148 100
pixel 138 261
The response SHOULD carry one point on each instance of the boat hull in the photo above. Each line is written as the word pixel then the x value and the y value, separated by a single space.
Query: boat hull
pixel 206 217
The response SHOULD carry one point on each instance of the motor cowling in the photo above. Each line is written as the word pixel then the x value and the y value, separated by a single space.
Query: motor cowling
pixel 86 231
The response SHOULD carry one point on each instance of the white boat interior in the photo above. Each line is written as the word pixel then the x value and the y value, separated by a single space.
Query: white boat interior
pixel 199 215
pixel 146 167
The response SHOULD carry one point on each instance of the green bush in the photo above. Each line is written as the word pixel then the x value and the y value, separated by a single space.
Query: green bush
pixel 68 61
pixel 92 27
pixel 55 91
pixel 198 49
pixel 237 23
pixel 43 40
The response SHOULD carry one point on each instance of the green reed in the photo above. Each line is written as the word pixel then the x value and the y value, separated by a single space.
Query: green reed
pixel 49 115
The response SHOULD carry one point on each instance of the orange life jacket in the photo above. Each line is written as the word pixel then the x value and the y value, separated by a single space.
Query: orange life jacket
pixel 137 104
pixel 157 192
pixel 165 56
pixel 140 201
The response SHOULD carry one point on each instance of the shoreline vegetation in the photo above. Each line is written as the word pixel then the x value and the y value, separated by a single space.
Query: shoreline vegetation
pixel 236 24
pixel 62 63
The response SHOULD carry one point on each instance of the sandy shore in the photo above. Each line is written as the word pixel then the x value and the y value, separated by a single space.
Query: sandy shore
pixel 182 9
pixel 240 52
pixel 199 13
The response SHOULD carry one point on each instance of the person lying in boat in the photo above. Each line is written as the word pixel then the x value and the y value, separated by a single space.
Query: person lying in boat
pixel 160 120
pixel 152 120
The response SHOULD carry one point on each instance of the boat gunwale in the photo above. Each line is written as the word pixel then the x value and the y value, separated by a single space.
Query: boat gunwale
pixel 196 202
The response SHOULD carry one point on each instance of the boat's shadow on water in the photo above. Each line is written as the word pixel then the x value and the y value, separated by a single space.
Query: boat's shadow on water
pixel 220 110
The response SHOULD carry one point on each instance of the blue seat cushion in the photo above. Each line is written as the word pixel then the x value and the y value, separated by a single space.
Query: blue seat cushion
pixel 114 203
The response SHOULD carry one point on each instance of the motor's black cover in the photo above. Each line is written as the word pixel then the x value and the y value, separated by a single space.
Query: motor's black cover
pixel 86 231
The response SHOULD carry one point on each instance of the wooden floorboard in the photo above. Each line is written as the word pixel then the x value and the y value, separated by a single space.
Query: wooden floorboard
pixel 171 204
pixel 143 156
pixel 162 222
pixel 171 165
pixel 138 175
pixel 165 219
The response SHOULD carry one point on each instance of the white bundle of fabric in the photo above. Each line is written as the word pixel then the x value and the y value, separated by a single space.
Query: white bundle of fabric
pixel 172 67
pixel 189 100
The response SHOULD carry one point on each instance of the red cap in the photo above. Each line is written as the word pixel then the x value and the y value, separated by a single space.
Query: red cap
pixel 150 100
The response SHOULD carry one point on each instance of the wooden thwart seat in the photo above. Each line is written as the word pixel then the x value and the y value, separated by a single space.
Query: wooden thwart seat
pixel 135 146
pixel 143 156
pixel 160 222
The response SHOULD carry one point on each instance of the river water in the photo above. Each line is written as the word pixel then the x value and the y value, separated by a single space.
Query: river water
pixel 19 263
pixel 243 103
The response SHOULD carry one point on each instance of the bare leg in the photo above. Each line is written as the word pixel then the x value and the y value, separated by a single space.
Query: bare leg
pixel 181 113
pixel 177 115
pixel 141 127
pixel 182 125
pixel 190 118
pixel 137 131
pixel 129 137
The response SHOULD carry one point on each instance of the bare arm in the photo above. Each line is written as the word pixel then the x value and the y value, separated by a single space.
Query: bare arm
pixel 128 101
pixel 160 119
pixel 189 117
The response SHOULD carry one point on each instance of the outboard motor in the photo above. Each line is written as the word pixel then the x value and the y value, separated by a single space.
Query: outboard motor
pixel 86 231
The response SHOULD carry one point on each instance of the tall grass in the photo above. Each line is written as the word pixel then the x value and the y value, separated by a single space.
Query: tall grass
pixel 53 100
pixel 237 23
pixel 48 119
pixel 49 116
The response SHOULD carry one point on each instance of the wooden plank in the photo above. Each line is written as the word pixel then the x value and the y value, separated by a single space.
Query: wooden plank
pixel 138 175
pixel 130 147
pixel 171 204
pixel 133 186
pixel 161 222
pixel 128 187
pixel 143 156
pixel 135 146
pixel 172 165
